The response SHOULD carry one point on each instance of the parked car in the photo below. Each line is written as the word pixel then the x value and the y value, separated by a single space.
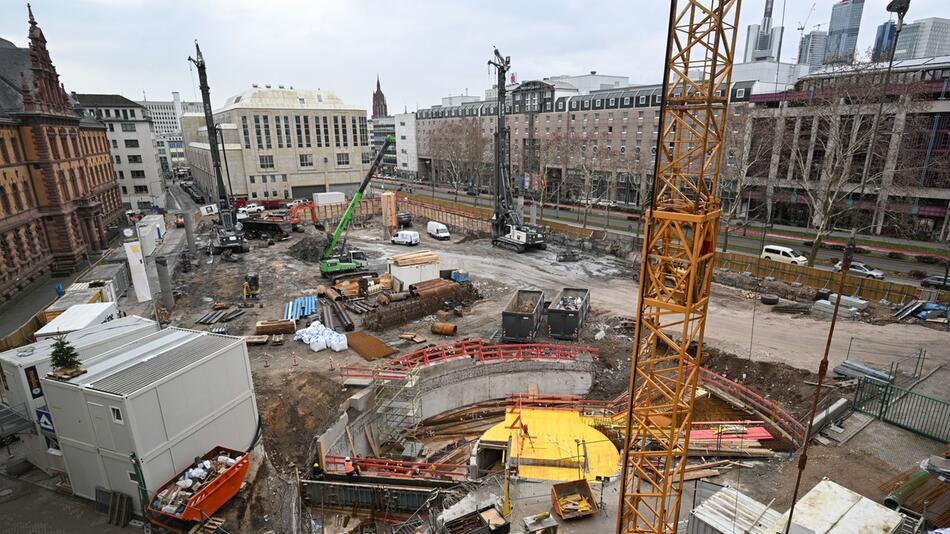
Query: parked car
pixel 254 208
pixel 438 230
pixel 937 281
pixel 294 202
pixel 405 237
pixel 783 255
pixel 404 219
pixel 862 269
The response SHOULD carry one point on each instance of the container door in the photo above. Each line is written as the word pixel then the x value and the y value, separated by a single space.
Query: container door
pixel 102 426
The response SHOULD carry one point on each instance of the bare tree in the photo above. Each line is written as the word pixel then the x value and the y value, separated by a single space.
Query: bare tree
pixel 458 147
pixel 593 159
pixel 825 144
pixel 742 155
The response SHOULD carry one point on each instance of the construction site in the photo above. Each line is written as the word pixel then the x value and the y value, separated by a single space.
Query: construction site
pixel 514 375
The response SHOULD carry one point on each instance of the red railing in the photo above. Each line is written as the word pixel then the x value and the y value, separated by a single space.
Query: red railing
pixel 474 349
pixel 396 468
pixel 766 407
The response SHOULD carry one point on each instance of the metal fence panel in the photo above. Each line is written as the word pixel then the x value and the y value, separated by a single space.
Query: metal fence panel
pixel 912 411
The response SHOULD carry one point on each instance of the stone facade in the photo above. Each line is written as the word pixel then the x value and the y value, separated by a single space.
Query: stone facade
pixel 280 144
pixel 59 200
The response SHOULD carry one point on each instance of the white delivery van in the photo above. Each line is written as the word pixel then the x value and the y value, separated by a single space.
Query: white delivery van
pixel 438 230
pixel 783 255
pixel 406 237
pixel 77 317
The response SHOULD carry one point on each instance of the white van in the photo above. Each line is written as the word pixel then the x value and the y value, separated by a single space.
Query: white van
pixel 405 237
pixel 783 255
pixel 438 230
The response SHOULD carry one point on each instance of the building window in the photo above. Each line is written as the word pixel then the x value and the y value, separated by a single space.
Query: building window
pixel 740 93
pixel 253 194
pixel 257 132
pixel 125 190
pixel 283 177
pixel 128 126
pixel 132 478
pixel 116 415
pixel 251 178
pixel 267 162
pixel 140 189
pixel 131 143
pixel 326 132
pixel 267 142
pixel 273 178
pixel 367 158
pixel 287 130
pixel 643 100
pixel 247 133
pixel 306 160
pixel 121 175
pixel 356 136
pixel 273 194
pixel 115 144
pixel 298 126
pixel 342 159
pixel 336 130
pixel 266 194
pixel 280 133
pixel 118 160
pixel 137 174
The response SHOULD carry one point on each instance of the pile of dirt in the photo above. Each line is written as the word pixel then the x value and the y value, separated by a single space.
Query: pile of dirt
pixel 785 290
pixel 308 249
pixel 295 405
pixel 775 381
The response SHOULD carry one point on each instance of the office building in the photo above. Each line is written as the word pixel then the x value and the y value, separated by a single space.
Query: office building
pixel 133 148
pixel 281 143
pixel 166 114
pixel 843 31
pixel 59 199
pixel 407 158
pixel 884 41
pixel 380 128
pixel 763 42
pixel 811 50
pixel 928 37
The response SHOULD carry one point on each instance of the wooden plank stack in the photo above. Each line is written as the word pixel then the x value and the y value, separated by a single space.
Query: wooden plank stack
pixel 415 258
pixel 275 326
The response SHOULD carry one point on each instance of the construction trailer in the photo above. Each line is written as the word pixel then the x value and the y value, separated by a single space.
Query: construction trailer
pixel 116 274
pixel 78 317
pixel 521 319
pixel 568 312
pixel 23 400
pixel 169 397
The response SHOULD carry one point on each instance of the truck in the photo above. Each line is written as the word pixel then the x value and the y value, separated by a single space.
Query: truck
pixel 521 319
pixel 567 313
pixel 266 229
pixel 77 317
pixel 438 230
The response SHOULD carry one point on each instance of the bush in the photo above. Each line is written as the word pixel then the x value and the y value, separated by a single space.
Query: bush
pixel 896 255
pixel 930 260
pixel 917 274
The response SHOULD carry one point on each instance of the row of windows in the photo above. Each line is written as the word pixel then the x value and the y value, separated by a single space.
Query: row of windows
pixel 346 133
pixel 126 114
pixel 26 243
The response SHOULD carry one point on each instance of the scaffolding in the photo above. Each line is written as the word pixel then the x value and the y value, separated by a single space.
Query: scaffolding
pixel 397 400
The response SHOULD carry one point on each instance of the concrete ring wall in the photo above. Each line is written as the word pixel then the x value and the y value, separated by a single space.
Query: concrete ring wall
pixel 453 384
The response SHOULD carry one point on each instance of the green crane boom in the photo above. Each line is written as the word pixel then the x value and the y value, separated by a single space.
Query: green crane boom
pixel 329 264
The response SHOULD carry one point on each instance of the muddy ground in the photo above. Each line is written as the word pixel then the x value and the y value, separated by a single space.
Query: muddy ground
pixel 299 391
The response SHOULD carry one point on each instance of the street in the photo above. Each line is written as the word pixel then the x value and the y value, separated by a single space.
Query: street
pixel 748 242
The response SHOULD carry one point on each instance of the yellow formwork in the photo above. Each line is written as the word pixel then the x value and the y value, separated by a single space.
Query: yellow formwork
pixel 544 444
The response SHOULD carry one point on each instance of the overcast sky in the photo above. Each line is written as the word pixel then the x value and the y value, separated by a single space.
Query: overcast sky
pixel 422 50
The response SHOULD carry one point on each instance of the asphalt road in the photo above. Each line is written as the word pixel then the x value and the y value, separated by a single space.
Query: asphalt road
pixel 895 269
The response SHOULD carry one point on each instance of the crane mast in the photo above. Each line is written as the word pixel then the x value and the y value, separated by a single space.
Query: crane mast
pixel 680 228
pixel 504 204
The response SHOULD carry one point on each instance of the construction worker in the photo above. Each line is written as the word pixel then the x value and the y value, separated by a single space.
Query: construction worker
pixel 350 468
pixel 316 471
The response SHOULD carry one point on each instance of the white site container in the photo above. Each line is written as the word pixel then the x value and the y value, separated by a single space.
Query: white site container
pixel 830 508
pixel 107 287
pixel 23 366
pixel 333 197
pixel 78 317
pixel 170 397
pixel 413 274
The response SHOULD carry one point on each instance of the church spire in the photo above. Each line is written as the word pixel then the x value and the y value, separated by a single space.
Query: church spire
pixel 47 94
pixel 379 101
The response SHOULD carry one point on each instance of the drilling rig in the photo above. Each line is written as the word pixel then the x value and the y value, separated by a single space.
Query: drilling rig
pixel 679 248
pixel 224 238
pixel 508 227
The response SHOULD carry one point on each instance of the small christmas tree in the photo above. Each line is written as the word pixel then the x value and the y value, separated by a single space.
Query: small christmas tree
pixel 64 355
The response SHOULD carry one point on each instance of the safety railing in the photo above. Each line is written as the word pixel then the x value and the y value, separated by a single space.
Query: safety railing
pixel 766 407
pixel 396 468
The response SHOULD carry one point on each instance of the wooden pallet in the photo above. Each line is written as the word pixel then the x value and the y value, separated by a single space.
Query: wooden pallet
pixel 208 527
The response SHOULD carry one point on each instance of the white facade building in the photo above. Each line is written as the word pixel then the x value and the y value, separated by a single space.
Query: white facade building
pixel 23 394
pixel 772 76
pixel 282 143
pixel 928 37
pixel 166 115
pixel 132 146
pixel 407 158
pixel 169 397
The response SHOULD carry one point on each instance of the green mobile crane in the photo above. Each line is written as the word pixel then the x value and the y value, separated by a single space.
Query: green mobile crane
pixel 334 262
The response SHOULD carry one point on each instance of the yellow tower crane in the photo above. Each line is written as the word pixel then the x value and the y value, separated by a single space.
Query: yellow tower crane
pixel 678 256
